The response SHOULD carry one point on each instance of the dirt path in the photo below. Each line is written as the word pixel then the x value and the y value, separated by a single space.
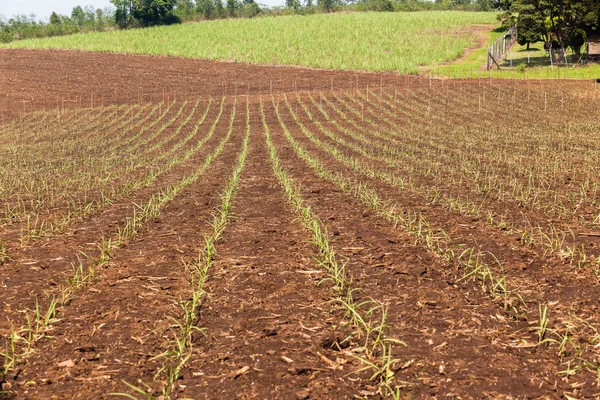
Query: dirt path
pixel 482 33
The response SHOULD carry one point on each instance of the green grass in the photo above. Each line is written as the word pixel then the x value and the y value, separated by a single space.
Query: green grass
pixel 400 42
pixel 537 65
pixel 473 65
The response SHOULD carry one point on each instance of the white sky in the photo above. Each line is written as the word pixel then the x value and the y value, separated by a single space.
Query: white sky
pixel 43 8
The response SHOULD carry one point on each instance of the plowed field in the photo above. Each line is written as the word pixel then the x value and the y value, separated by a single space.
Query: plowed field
pixel 187 229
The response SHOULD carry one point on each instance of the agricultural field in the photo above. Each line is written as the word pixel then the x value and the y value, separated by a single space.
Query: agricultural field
pixel 400 42
pixel 271 232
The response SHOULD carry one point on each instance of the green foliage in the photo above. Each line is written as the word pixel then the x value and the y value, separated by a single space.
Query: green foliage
pixel 144 12
pixel 231 8
pixel 123 12
pixel 328 5
pixel 529 24
pixel 153 12
pixel 206 8
pixel 502 5
pixel 376 5
pixel 576 40
pixel 219 9
pixel 78 16
pixel 293 4
pixel 563 23
pixel 186 6
pixel 24 27
pixel 363 41
pixel 54 18
pixel 249 10
pixel 185 9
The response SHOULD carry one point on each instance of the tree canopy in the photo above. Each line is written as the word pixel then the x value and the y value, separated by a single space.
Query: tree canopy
pixel 560 23
pixel 143 12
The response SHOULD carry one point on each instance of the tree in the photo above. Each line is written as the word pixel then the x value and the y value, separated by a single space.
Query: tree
pixel 529 20
pixel 219 9
pixel 100 19
pixel 186 6
pixel 54 18
pixel 206 8
pixel 485 5
pixel 249 9
pixel 294 4
pixel 153 12
pixel 123 12
pixel 185 9
pixel 561 23
pixel 326 5
pixel 502 5
pixel 89 13
pixel 231 8
pixel 78 16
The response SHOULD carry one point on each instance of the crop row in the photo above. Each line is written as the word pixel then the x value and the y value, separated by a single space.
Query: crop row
pixel 465 179
pixel 334 144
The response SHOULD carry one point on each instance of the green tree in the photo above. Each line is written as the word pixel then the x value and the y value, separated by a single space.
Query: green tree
pixel 327 5
pixel 123 12
pixel 249 9
pixel 153 12
pixel 78 16
pixel 530 21
pixel 219 9
pixel 231 8
pixel 100 19
pixel 561 23
pixel 185 9
pixel 89 14
pixel 293 4
pixel 54 18
pixel 485 5
pixel 206 8
pixel 186 6
pixel 502 5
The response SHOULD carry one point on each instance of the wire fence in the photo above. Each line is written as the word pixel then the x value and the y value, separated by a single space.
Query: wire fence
pixel 543 55
pixel 499 48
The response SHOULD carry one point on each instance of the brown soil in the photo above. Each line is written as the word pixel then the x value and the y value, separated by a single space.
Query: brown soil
pixel 113 341
pixel 269 326
pixel 428 301
pixel 73 79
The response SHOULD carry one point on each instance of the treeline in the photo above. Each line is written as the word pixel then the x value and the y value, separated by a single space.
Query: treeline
pixel 82 19
pixel 209 9
pixel 141 13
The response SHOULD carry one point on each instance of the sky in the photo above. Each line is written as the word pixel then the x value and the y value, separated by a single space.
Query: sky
pixel 43 8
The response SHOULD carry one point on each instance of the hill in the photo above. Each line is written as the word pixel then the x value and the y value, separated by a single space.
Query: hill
pixel 377 42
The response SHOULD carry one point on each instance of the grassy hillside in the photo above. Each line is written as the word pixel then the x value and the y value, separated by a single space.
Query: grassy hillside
pixel 356 41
